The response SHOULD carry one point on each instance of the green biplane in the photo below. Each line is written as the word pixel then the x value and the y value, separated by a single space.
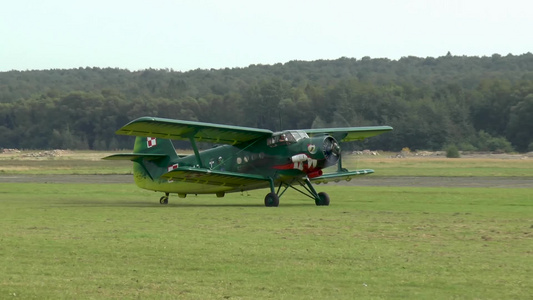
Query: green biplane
pixel 242 159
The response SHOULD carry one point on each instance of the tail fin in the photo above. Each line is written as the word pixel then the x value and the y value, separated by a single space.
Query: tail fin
pixel 148 145
pixel 151 158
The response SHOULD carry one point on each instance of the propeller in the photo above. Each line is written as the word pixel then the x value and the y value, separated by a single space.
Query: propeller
pixel 331 149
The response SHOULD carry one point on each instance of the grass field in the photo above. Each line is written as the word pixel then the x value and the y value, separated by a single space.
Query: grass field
pixel 114 241
pixel 481 166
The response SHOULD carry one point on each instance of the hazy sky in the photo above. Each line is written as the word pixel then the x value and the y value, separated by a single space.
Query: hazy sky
pixel 185 35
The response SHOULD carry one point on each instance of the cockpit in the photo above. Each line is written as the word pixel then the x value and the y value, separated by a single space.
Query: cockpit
pixel 286 137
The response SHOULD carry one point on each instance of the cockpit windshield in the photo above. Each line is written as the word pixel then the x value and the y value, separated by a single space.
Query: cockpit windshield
pixel 286 137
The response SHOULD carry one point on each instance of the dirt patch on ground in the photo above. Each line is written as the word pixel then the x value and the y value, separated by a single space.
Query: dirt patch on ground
pixel 50 153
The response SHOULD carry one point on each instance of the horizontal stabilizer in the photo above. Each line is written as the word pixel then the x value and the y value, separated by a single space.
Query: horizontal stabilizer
pixel 338 176
pixel 212 177
pixel 134 156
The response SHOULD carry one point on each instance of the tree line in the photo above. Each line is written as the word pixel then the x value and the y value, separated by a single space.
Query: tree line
pixel 473 103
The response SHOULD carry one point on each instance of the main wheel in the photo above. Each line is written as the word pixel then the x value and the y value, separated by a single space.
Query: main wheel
pixel 323 199
pixel 163 200
pixel 271 200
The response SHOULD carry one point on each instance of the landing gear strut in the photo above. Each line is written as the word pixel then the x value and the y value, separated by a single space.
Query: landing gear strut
pixel 164 199
pixel 272 198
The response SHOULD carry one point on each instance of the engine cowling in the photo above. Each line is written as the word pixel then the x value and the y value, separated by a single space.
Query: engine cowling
pixel 311 155
pixel 323 149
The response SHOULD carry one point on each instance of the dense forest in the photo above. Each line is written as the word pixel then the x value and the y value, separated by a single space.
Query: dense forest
pixel 473 103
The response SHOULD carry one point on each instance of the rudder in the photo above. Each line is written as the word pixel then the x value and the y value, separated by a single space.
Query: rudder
pixel 156 155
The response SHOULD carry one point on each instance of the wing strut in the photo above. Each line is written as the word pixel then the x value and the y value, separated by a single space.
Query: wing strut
pixel 196 153
pixel 339 165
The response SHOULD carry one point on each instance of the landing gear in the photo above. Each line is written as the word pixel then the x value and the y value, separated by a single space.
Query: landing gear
pixel 322 200
pixel 271 200
pixel 164 199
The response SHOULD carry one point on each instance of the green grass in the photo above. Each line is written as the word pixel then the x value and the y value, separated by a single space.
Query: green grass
pixel 64 166
pixel 464 167
pixel 114 241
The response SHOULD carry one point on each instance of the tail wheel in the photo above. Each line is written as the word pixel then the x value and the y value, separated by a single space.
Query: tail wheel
pixel 163 200
pixel 322 200
pixel 271 200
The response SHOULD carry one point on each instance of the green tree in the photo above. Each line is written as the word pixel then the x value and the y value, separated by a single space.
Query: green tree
pixel 452 151
pixel 520 126
pixel 261 103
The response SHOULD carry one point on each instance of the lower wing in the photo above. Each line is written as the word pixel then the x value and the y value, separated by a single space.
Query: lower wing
pixel 212 177
pixel 338 176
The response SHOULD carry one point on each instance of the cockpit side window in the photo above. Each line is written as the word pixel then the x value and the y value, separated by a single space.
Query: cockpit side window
pixel 286 138
pixel 298 135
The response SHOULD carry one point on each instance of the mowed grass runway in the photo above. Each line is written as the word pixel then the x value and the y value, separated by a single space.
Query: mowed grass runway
pixel 115 241
pixel 81 241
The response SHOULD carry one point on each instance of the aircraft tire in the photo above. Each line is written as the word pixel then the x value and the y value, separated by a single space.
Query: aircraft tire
pixel 163 200
pixel 271 200
pixel 323 199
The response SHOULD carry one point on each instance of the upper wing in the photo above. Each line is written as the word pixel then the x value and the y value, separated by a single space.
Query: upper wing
pixel 349 134
pixel 185 130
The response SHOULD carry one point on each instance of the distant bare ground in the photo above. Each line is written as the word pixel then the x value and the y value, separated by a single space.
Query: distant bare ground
pixel 495 182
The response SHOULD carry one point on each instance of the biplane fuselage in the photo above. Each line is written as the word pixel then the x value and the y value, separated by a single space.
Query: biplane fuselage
pixel 272 158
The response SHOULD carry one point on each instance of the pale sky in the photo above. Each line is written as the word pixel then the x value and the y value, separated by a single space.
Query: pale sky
pixel 186 35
